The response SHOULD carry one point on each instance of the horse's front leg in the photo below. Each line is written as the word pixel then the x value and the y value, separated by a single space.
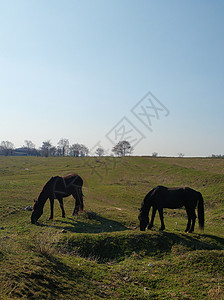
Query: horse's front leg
pixel 52 208
pixel 152 217
pixel 62 207
pixel 161 219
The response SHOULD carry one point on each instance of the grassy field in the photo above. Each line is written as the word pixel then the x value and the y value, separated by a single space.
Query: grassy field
pixel 101 253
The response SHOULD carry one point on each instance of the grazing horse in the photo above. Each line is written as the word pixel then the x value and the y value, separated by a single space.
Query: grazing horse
pixel 162 197
pixel 58 188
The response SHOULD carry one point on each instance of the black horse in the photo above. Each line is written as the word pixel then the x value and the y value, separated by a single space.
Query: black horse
pixel 58 188
pixel 162 197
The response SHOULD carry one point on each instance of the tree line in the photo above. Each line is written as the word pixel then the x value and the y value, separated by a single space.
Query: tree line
pixel 63 148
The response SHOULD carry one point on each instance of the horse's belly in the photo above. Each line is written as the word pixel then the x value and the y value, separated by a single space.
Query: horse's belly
pixel 173 204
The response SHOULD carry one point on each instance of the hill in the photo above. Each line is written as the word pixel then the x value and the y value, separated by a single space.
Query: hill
pixel 101 253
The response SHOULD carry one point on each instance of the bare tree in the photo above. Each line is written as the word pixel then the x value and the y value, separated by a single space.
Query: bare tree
pixel 217 156
pixel 123 148
pixel 74 150
pixel 45 149
pixel 6 148
pixel 100 151
pixel 63 146
pixel 29 145
pixel 154 154
pixel 52 151
pixel 79 150
pixel 84 151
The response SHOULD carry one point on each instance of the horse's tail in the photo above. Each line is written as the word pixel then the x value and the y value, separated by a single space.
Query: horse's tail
pixel 201 215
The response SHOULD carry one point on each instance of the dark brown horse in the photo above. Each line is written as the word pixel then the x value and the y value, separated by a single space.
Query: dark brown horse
pixel 59 188
pixel 163 197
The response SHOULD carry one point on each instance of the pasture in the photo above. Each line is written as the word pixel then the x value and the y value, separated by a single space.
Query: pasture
pixel 101 253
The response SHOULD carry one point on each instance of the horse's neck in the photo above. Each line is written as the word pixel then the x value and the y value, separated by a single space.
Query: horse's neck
pixel 42 198
pixel 147 205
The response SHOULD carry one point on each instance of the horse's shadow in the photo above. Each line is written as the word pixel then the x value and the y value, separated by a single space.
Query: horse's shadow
pixel 86 223
pixel 194 241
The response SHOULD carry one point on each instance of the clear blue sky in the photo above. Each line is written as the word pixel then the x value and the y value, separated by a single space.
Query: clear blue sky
pixel 76 69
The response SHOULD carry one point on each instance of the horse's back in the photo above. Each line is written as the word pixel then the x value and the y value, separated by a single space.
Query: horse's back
pixel 71 175
pixel 169 197
pixel 74 178
pixel 191 194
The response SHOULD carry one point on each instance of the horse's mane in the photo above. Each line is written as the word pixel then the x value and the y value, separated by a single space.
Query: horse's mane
pixel 49 182
pixel 145 206
pixel 46 186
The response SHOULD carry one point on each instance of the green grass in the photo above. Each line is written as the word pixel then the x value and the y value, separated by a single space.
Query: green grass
pixel 101 253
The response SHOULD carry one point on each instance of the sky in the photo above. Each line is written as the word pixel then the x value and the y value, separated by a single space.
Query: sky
pixel 97 72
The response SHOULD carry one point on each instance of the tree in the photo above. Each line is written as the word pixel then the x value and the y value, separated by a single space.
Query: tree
pixel 52 151
pixel 74 150
pixel 45 149
pixel 29 145
pixel 79 150
pixel 84 151
pixel 123 148
pixel 217 156
pixel 100 151
pixel 154 154
pixel 63 146
pixel 6 148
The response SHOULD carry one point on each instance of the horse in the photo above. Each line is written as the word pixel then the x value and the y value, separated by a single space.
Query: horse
pixel 162 197
pixel 58 188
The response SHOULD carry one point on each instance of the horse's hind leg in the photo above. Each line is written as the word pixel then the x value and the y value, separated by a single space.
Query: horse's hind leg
pixel 77 203
pixel 76 210
pixel 189 221
pixel 62 207
pixel 193 218
pixel 78 200
pixel 188 225
pixel 161 219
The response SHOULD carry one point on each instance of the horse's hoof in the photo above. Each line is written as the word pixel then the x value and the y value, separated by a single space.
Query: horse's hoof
pixel 75 213
pixel 36 223
pixel 161 229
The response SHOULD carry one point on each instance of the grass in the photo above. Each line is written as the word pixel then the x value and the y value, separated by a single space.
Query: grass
pixel 101 253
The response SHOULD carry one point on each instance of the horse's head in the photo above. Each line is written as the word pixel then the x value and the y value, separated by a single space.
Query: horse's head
pixel 37 212
pixel 144 220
